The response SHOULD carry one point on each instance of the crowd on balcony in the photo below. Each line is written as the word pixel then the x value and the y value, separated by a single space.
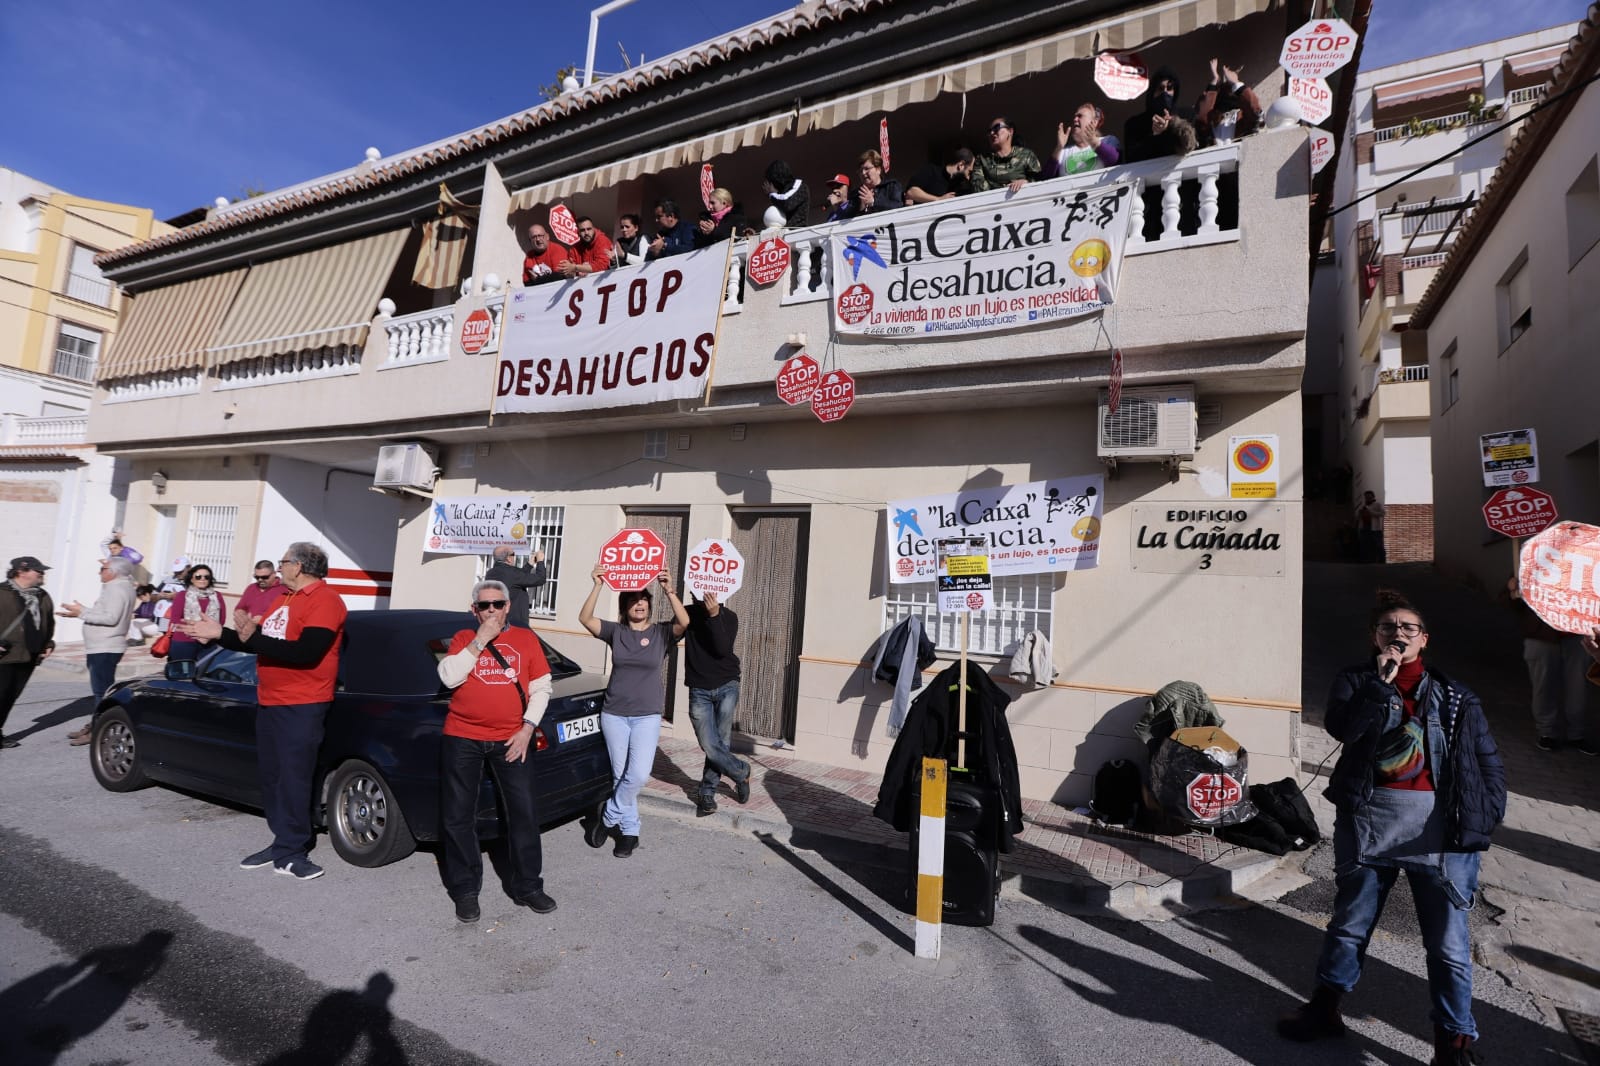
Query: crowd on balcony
pixel 1227 109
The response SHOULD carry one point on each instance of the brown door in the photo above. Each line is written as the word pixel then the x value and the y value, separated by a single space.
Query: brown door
pixel 670 526
pixel 771 605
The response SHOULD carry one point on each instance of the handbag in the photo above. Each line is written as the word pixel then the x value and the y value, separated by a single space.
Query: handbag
pixel 163 644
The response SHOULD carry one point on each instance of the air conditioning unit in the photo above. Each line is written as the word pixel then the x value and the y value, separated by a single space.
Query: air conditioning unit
pixel 405 466
pixel 1149 424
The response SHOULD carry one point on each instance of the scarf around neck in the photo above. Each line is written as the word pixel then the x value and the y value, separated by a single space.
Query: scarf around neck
pixel 196 604
pixel 30 600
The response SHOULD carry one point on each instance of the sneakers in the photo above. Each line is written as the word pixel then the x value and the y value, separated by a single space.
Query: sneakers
pixel 1549 744
pixel 1315 1019
pixel 301 869
pixel 625 845
pixel 741 789
pixel 1588 747
pixel 537 902
pixel 704 805
pixel 595 831
pixel 256 861
pixel 467 909
pixel 1452 1049
pixel 7 742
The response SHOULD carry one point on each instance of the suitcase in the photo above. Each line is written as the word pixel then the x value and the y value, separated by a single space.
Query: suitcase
pixel 971 854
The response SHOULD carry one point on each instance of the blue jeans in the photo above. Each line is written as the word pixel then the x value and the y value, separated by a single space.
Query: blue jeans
pixel 631 743
pixel 287 738
pixel 712 711
pixel 1441 913
pixel 102 672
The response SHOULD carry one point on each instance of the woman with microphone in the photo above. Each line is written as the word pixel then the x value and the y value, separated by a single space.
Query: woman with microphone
pixel 1419 787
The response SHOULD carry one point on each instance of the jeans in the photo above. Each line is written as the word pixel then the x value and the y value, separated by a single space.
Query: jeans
pixel 102 672
pixel 1441 913
pixel 461 763
pixel 287 738
pixel 1557 671
pixel 712 711
pixel 631 743
pixel 13 679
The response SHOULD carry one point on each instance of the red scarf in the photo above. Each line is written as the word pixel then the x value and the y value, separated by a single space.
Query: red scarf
pixel 1408 680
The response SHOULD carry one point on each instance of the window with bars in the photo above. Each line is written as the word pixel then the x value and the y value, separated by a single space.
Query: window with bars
pixel 210 539
pixel 1022 603
pixel 545 533
pixel 77 351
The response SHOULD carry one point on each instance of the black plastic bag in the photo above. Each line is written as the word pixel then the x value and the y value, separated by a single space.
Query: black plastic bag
pixel 1197 789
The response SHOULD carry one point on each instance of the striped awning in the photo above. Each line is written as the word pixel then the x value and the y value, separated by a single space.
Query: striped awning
pixel 319 299
pixel 1525 63
pixel 1439 83
pixel 170 328
pixel 1132 30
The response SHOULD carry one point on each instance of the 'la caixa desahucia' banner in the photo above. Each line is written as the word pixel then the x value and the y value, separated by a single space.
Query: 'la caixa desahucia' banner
pixel 945 268
pixel 635 335
pixel 1036 528
pixel 477 525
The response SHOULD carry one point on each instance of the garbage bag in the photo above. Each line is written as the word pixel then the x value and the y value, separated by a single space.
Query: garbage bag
pixel 1196 789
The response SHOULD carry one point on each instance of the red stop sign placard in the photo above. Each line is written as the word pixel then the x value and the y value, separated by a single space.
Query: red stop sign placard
pixel 1560 576
pixel 769 261
pixel 1519 511
pixel 1318 48
pixel 563 226
pixel 833 396
pixel 632 559
pixel 855 304
pixel 798 379
pixel 1209 795
pixel 475 330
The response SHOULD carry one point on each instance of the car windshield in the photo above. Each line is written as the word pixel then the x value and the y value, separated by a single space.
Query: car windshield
pixel 233 667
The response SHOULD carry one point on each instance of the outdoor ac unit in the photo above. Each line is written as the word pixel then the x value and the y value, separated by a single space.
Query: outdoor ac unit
pixel 405 466
pixel 1150 423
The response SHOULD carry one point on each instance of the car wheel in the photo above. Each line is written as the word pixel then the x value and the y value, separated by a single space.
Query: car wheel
pixel 365 823
pixel 114 753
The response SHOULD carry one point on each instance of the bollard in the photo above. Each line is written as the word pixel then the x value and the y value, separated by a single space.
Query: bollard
pixel 930 858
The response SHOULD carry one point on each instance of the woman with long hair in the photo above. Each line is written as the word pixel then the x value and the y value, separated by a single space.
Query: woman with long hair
pixel 199 599
pixel 1418 788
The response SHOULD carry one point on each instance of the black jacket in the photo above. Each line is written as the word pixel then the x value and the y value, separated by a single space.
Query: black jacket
pixel 930 731
pixel 519 579
pixel 27 640
pixel 1361 708
pixel 708 658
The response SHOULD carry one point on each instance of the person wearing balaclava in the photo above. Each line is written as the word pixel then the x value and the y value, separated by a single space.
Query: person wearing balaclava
pixel 1162 128
pixel 1228 109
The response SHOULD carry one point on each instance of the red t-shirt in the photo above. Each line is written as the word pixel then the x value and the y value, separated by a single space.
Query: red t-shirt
pixel 316 606
pixel 543 264
pixel 257 601
pixel 597 255
pixel 486 706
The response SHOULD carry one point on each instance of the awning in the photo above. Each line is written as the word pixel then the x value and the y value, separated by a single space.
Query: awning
pixel 319 299
pixel 1525 63
pixel 169 328
pixel 1133 30
pixel 1441 83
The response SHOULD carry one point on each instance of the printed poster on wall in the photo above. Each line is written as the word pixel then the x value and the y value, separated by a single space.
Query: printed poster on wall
pixel 964 581
pixel 477 525
pixel 943 268
pixel 639 334
pixel 1036 528
pixel 1253 467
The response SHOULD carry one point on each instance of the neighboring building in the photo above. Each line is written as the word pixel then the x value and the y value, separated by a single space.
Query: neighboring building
pixel 283 341
pixel 1366 389
pixel 57 314
pixel 1510 320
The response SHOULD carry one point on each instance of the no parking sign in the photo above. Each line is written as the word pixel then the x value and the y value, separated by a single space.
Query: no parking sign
pixel 1253 467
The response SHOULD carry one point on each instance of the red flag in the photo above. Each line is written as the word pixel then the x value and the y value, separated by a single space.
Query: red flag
pixel 1114 393
pixel 883 142
pixel 707 183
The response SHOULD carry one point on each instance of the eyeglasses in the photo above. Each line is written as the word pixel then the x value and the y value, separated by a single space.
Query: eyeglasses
pixel 490 605
pixel 200 577
pixel 997 127
pixel 286 562
pixel 1410 629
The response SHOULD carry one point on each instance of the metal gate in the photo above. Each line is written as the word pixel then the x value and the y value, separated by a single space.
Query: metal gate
pixel 670 526
pixel 771 607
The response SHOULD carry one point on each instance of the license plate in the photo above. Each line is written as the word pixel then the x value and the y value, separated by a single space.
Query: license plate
pixel 577 727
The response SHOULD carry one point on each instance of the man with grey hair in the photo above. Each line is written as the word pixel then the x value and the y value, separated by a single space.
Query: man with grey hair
pixel 520 580
pixel 27 631
pixel 105 625
pixel 297 661
pixel 501 683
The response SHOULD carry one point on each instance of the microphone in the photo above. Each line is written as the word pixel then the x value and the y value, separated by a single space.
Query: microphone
pixel 1392 667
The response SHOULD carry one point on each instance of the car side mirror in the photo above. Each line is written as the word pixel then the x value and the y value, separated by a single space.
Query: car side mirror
pixel 180 670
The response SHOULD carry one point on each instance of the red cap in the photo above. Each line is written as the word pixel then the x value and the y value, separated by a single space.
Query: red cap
pixel 839 179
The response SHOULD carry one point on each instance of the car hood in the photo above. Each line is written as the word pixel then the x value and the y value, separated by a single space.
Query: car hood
pixel 579 684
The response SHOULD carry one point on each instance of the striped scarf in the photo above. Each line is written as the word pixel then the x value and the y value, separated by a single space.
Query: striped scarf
pixel 1402 752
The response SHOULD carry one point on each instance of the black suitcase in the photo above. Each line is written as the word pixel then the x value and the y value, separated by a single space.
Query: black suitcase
pixel 971 855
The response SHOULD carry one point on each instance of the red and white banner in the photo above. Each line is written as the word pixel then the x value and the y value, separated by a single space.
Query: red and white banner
pixel 1318 48
pixel 1121 75
pixel 708 185
pixel 1114 389
pixel 1560 576
pixel 638 334
pixel 715 566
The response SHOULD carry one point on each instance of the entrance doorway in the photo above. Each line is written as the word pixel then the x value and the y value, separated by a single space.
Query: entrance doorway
pixel 772 607
pixel 671 527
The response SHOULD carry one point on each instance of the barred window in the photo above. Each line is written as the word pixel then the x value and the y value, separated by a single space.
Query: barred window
pixel 546 526
pixel 210 539
pixel 1022 603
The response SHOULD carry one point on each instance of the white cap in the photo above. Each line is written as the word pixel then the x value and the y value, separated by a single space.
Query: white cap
pixel 180 563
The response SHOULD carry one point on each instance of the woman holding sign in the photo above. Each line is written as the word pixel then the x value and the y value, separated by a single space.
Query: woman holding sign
pixel 1419 788
pixel 630 717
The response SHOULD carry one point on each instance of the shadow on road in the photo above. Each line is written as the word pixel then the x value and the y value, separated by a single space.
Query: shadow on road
pixel 78 708
pixel 884 926
pixel 340 1019
pixel 47 1012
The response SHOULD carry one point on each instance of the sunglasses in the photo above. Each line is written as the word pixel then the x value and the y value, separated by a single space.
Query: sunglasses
pixel 997 127
pixel 201 577
pixel 490 605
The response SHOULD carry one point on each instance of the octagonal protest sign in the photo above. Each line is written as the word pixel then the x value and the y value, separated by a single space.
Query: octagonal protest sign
pixel 476 329
pixel 563 226
pixel 632 559
pixel 834 396
pixel 1121 75
pixel 715 566
pixel 769 261
pixel 1560 576
pixel 798 380
pixel 1210 796
pixel 1318 48
pixel 1314 97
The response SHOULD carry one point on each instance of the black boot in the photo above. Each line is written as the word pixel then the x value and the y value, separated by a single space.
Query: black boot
pixel 1452 1049
pixel 1315 1019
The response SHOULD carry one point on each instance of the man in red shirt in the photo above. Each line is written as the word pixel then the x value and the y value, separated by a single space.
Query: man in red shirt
pixel 264 593
pixel 297 661
pixel 590 255
pixel 502 687
pixel 544 259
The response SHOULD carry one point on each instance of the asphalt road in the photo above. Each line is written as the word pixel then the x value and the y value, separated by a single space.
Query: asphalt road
pixel 129 935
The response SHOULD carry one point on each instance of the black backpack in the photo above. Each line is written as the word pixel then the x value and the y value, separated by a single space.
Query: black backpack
pixel 1117 789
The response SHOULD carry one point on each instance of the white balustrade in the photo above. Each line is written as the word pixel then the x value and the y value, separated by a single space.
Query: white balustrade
pixel 420 337
pixel 16 429
pixel 90 290
pixel 733 294
pixel 153 386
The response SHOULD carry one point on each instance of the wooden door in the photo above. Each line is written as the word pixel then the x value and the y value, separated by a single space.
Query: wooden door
pixel 771 609
pixel 671 527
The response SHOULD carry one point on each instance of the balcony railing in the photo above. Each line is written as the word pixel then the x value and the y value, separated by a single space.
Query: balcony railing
pixel 90 290
pixel 1435 218
pixel 1423 127
pixel 1526 95
pixel 154 386
pixel 1398 374
pixel 420 337
pixel 57 430
pixel 1432 259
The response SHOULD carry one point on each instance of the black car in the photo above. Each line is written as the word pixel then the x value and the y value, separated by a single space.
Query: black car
pixel 378 768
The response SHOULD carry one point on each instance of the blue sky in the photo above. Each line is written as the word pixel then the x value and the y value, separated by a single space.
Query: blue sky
pixel 171 103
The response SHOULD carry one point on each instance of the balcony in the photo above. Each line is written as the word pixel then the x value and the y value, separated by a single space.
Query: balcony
pixel 88 289
pixel 1400 394
pixel 17 430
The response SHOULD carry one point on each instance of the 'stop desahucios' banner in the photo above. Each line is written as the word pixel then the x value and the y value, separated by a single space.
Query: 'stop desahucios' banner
pixel 620 337
pixel 943 268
